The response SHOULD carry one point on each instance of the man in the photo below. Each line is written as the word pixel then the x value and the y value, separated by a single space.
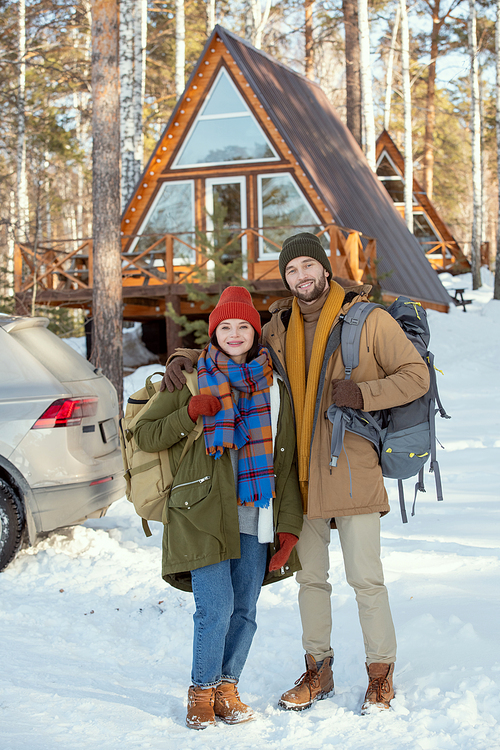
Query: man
pixel 303 340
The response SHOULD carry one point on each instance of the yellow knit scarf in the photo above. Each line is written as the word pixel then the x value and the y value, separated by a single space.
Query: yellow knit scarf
pixel 304 395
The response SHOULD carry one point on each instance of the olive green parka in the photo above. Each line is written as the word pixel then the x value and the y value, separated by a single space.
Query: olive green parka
pixel 201 524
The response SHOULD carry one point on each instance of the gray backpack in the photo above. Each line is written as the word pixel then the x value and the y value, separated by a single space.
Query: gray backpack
pixel 404 436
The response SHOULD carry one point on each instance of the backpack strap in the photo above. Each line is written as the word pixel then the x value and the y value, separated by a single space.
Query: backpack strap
pixel 419 487
pixel 149 385
pixel 434 388
pixel 434 464
pixel 351 334
pixel 402 506
pixel 338 431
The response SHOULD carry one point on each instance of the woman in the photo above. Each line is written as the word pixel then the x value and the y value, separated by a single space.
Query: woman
pixel 235 497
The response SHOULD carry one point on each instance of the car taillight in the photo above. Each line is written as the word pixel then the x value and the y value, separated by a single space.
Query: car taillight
pixel 66 412
pixel 101 481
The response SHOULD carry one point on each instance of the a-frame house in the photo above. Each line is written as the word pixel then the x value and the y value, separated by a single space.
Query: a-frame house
pixel 263 143
pixel 437 242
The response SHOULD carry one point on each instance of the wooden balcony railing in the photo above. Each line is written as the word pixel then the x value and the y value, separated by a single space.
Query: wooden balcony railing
pixel 443 256
pixel 54 268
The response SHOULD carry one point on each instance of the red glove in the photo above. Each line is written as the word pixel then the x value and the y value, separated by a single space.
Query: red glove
pixel 174 377
pixel 287 543
pixel 207 405
pixel 347 393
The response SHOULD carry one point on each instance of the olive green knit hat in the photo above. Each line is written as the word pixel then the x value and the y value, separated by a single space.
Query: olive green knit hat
pixel 307 244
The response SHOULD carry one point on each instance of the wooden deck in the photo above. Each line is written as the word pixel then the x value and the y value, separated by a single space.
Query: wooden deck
pixel 62 277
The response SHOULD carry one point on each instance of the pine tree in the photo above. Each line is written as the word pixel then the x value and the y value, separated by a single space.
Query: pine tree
pixel 107 288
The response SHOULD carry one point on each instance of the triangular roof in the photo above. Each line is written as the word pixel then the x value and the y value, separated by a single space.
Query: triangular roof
pixel 308 134
pixel 386 143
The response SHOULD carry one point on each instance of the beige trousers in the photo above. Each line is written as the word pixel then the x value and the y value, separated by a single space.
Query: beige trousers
pixel 360 542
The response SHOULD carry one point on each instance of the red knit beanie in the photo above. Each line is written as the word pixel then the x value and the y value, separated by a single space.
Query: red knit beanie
pixel 235 303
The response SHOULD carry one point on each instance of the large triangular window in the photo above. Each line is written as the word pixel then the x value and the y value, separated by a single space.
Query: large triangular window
pixel 391 178
pixel 225 131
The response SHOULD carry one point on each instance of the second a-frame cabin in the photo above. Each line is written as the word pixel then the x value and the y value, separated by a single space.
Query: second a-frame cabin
pixel 262 142
pixel 437 242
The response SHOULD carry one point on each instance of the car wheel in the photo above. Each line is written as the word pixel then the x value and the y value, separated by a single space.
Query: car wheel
pixel 11 524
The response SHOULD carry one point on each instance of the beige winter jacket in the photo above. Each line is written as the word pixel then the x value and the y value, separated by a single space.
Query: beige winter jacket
pixel 390 373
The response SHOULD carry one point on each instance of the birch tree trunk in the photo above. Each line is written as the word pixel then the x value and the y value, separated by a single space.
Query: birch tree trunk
pixel 255 21
pixel 133 38
pixel 405 59
pixel 9 281
pixel 48 211
pixel 180 47
pixel 476 151
pixel 210 16
pixel 22 183
pixel 496 291
pixel 366 83
pixel 352 70
pixel 140 42
pixel 390 69
pixel 260 19
pixel 484 161
pixel 107 347
pixel 77 104
pixel 127 124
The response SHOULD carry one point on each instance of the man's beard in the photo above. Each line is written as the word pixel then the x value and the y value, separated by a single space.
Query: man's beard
pixel 314 293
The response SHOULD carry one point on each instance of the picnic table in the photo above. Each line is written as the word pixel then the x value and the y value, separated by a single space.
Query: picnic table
pixel 458 299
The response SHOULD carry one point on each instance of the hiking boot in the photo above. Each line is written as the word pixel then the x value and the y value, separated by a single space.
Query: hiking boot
pixel 380 691
pixel 314 685
pixel 228 705
pixel 200 711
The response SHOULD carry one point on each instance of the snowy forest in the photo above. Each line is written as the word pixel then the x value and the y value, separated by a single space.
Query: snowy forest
pixel 427 68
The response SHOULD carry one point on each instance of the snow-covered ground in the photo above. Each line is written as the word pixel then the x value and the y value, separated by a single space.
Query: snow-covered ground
pixel 95 648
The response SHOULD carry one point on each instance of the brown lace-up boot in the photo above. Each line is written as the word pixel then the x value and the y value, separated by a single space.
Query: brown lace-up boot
pixel 380 690
pixel 200 713
pixel 314 685
pixel 228 705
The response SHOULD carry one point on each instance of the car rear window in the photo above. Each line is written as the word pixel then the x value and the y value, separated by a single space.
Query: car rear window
pixel 59 358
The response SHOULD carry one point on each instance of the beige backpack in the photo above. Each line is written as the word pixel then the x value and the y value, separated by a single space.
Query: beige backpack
pixel 148 476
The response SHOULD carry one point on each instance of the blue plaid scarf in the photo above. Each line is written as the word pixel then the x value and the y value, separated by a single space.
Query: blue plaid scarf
pixel 245 427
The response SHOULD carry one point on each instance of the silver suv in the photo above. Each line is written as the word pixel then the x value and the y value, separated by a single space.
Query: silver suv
pixel 60 459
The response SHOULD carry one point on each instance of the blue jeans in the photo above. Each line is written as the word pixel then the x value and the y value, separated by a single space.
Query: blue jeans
pixel 226 596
